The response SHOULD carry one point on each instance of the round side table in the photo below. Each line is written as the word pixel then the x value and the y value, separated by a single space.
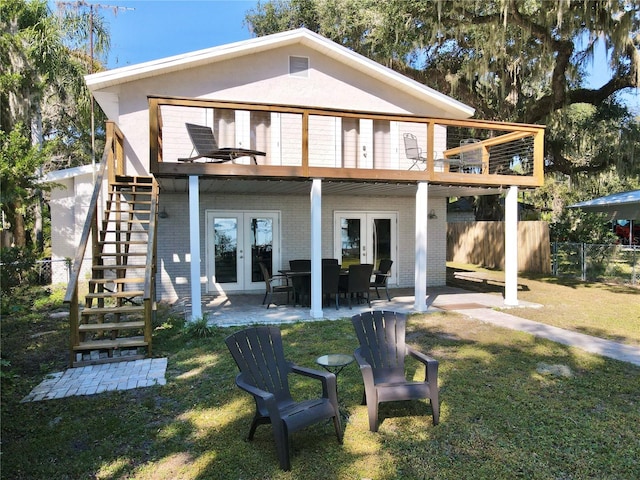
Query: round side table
pixel 334 362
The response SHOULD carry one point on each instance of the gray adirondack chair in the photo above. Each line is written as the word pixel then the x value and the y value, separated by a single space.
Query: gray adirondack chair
pixel 264 371
pixel 381 357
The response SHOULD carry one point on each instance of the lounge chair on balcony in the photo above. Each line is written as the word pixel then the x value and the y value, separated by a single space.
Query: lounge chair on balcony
pixel 206 146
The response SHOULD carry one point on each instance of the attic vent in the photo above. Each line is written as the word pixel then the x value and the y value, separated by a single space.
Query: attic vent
pixel 299 66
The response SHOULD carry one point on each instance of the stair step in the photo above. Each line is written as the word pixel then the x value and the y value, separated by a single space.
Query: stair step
pixel 129 294
pixel 102 281
pixel 118 267
pixel 128 254
pixel 107 310
pixel 127 212
pixel 94 327
pixel 135 201
pixel 124 342
pixel 122 242
pixel 135 188
pixel 123 233
pixel 127 220
pixel 134 178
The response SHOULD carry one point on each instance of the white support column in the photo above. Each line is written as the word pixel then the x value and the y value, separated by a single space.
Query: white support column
pixel 316 249
pixel 511 247
pixel 422 207
pixel 194 246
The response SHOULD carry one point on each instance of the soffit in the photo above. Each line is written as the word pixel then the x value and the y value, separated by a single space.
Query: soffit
pixel 289 187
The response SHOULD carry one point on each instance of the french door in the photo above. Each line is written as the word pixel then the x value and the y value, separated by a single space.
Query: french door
pixel 366 237
pixel 237 241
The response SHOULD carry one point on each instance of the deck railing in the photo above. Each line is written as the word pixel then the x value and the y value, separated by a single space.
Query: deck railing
pixel 348 145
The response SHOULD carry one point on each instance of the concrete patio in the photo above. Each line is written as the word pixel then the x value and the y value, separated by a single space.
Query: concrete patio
pixel 247 309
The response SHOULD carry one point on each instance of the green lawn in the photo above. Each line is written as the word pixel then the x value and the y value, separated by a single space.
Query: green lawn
pixel 604 310
pixel 512 406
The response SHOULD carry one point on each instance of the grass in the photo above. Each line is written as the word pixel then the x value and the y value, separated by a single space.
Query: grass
pixel 512 406
pixel 604 310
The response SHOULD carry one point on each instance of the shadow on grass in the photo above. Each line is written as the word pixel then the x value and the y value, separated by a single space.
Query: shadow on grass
pixel 477 281
pixel 500 416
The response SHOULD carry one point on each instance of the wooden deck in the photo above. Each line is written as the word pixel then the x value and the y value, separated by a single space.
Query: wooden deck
pixel 304 143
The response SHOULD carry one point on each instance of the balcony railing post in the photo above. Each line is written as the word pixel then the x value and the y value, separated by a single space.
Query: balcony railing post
pixel 305 141
pixel 430 149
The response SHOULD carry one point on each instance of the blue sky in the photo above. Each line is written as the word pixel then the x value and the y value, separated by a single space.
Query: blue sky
pixel 145 30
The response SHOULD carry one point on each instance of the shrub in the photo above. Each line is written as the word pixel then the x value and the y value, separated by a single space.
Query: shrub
pixel 17 267
pixel 199 328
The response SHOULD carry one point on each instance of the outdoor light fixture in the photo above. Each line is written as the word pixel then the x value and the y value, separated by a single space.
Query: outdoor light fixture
pixel 432 214
pixel 163 213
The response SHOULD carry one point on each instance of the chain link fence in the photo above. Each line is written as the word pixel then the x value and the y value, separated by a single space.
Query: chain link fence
pixel 599 263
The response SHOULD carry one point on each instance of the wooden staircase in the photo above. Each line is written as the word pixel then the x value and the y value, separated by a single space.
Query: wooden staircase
pixel 115 322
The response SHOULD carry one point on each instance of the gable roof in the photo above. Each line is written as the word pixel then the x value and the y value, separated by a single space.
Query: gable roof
pixel 303 36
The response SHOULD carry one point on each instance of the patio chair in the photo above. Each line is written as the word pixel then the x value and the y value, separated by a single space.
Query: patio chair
pixel 471 159
pixel 274 284
pixel 264 371
pixel 381 357
pixel 382 276
pixel 331 281
pixel 302 281
pixel 330 261
pixel 413 151
pixel 357 282
pixel 206 146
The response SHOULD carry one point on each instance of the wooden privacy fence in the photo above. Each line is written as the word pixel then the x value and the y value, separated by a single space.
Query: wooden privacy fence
pixel 482 243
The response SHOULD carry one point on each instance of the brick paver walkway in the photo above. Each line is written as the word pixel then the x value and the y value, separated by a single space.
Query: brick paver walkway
pixel 94 379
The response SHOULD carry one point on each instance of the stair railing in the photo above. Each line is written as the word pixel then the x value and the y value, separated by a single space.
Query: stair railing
pixel 90 228
pixel 112 161
pixel 150 268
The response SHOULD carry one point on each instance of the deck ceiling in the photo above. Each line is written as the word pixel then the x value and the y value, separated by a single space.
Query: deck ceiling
pixel 291 187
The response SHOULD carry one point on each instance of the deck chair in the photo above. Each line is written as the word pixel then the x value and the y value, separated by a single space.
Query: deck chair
pixel 205 146
pixel 331 281
pixel 259 354
pixel 471 159
pixel 274 284
pixel 381 357
pixel 357 282
pixel 413 151
pixel 382 276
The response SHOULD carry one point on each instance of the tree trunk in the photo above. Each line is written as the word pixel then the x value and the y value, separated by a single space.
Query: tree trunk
pixel 19 234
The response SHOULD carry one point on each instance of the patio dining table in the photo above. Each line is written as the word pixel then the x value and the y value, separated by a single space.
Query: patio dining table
pixel 296 277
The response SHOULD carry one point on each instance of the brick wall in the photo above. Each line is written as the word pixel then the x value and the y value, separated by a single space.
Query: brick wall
pixel 173 233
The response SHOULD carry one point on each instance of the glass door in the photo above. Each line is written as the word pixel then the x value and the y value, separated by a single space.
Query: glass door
pixel 365 237
pixel 236 244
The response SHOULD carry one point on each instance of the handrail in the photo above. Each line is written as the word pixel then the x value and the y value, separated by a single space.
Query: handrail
pixel 86 230
pixel 150 264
